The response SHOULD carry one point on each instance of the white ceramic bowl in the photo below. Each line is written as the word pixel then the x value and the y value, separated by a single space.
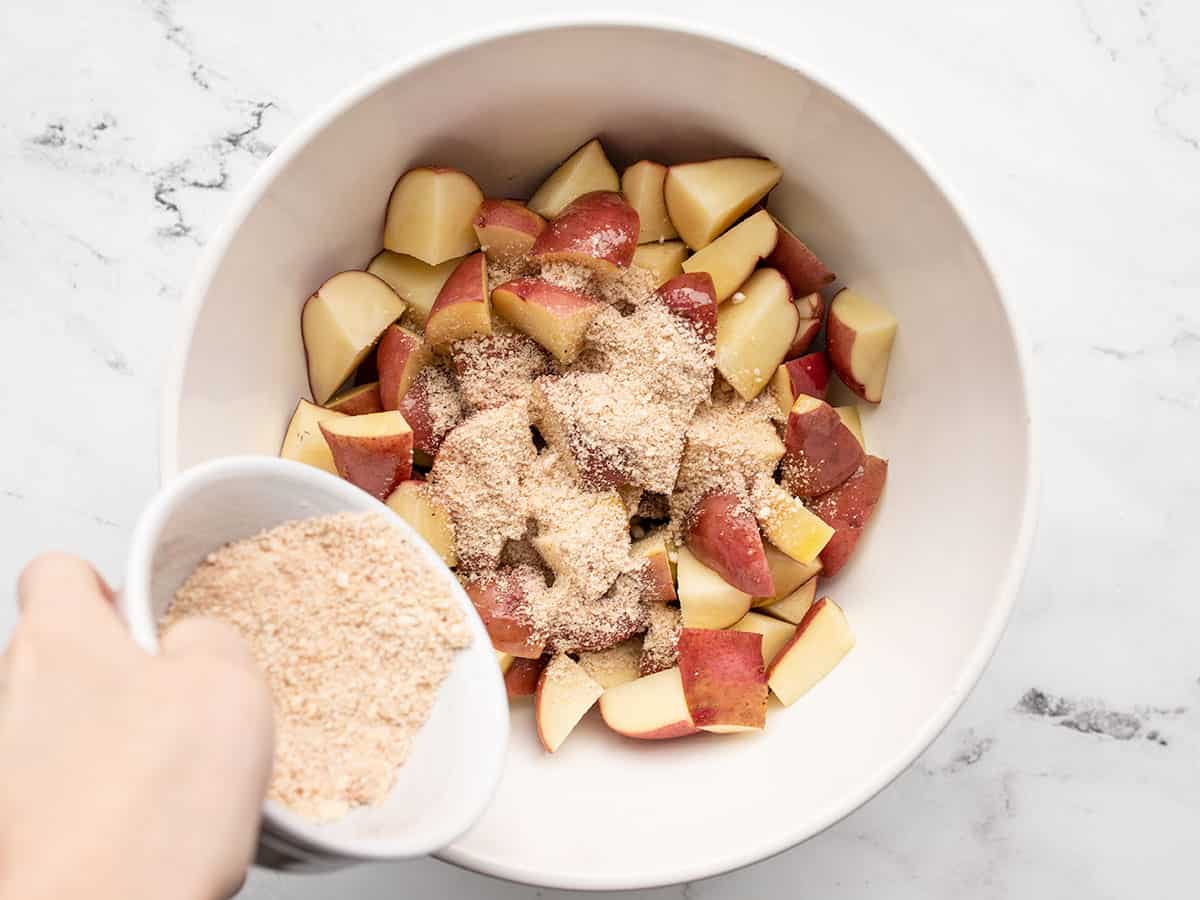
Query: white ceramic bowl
pixel 933 582
pixel 457 757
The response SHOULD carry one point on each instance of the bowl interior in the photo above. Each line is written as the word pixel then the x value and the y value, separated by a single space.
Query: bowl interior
pixel 447 780
pixel 930 589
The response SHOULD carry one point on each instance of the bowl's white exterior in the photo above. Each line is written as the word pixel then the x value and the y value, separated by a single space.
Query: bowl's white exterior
pixel 936 576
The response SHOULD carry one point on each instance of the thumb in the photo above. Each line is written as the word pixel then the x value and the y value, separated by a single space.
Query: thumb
pixel 213 652
pixel 210 658
pixel 199 636
pixel 61 595
pixel 62 585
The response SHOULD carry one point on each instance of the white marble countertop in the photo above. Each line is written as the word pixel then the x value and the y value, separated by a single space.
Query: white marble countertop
pixel 1071 129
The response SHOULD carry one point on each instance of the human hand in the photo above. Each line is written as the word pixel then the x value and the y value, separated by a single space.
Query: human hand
pixel 124 775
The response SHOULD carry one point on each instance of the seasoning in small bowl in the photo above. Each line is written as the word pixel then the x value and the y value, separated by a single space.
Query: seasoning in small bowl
pixel 355 635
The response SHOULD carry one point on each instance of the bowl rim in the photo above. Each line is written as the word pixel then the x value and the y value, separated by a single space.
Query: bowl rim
pixel 1005 598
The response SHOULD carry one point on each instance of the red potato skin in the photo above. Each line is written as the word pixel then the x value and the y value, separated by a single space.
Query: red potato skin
pixel 847 509
pixel 597 470
pixel 806 333
pixel 500 348
pixel 466 287
pixel 799 265
pixel 724 536
pixel 414 406
pixel 724 680
pixel 693 298
pixel 497 599
pixel 659 585
pixel 507 223
pixel 802 627
pixel 400 356
pixel 522 677
pixel 538 690
pixel 597 228
pixel 509 214
pixel 820 452
pixel 839 341
pixel 360 404
pixel 809 375
pixel 569 313
pixel 466 284
pixel 549 296
pixel 375 464
pixel 572 638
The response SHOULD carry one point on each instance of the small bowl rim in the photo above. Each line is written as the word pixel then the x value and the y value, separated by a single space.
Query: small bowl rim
pixel 134 605
pixel 1006 590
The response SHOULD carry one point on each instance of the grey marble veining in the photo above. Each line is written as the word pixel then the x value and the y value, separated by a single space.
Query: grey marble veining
pixel 1071 129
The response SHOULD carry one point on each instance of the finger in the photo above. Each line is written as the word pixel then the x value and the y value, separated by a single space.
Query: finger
pixel 199 636
pixel 64 588
pixel 106 591
pixel 210 656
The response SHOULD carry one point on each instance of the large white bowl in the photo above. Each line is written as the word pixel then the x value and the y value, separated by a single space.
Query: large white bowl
pixel 931 588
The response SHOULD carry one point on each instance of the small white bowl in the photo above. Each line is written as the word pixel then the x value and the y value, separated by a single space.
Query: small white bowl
pixel 933 581
pixel 458 755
